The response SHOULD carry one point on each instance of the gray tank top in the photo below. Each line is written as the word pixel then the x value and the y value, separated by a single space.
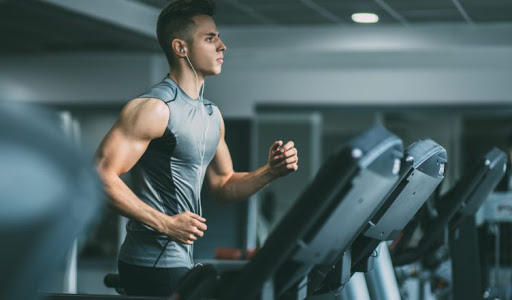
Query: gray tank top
pixel 169 175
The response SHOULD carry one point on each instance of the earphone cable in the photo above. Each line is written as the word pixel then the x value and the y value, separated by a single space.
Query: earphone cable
pixel 201 100
pixel 200 92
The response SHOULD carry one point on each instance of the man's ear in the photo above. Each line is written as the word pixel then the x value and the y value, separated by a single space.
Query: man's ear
pixel 179 47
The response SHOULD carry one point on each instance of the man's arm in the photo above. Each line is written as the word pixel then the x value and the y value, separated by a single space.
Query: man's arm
pixel 140 121
pixel 228 186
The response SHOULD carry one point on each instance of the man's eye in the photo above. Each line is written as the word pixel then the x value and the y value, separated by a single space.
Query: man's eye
pixel 209 39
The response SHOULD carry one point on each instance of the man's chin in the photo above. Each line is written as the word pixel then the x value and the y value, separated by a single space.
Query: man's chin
pixel 214 72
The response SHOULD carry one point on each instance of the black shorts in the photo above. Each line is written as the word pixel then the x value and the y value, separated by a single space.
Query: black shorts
pixel 148 281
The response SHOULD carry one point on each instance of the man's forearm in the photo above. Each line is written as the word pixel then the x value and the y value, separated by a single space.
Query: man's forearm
pixel 241 186
pixel 129 205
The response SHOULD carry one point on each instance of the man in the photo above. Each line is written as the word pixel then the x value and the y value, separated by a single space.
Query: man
pixel 170 138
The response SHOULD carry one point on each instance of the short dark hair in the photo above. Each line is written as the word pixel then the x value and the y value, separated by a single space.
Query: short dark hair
pixel 175 21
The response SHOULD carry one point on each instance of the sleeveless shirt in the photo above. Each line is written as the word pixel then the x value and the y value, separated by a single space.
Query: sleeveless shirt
pixel 170 174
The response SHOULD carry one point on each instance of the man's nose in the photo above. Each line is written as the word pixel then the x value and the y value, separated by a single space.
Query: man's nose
pixel 222 46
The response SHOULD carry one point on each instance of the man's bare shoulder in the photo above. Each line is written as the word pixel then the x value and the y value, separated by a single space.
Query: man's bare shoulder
pixel 144 117
pixel 140 107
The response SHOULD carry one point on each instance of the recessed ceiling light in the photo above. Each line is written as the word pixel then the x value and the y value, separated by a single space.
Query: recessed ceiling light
pixel 365 18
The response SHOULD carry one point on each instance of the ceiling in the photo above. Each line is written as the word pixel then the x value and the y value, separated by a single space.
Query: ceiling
pixel 29 26
pixel 41 26
pixel 325 12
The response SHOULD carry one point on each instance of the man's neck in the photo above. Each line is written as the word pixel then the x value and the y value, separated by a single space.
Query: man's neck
pixel 186 79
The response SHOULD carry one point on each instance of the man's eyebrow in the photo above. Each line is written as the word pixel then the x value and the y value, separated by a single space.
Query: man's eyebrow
pixel 213 34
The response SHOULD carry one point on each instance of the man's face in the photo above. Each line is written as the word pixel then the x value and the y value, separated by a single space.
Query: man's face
pixel 207 50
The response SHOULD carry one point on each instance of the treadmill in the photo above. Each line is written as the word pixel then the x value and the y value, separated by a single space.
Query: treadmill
pixel 49 194
pixel 331 212
pixel 463 200
pixel 456 213
pixel 422 170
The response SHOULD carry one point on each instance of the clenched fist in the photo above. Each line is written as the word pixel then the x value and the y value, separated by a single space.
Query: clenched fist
pixel 282 159
pixel 185 227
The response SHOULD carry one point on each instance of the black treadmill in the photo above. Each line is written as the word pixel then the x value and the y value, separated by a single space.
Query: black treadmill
pixel 464 199
pixel 456 213
pixel 321 225
pixel 422 170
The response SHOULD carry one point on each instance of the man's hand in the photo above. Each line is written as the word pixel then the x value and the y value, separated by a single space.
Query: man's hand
pixel 282 159
pixel 185 228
